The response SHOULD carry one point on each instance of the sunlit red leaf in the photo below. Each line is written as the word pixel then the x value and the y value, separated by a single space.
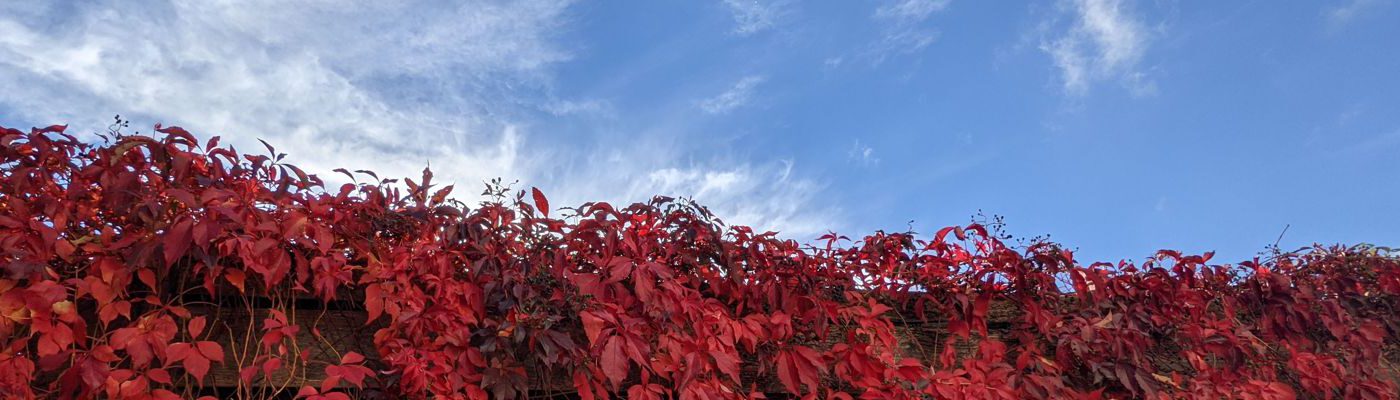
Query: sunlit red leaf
pixel 541 202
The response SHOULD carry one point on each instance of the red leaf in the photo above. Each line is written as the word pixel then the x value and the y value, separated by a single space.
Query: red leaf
pixel 93 372
pixel 618 269
pixel 441 195
pixel 172 130
pixel 583 385
pixel 236 277
pixel 541 203
pixel 52 129
pixel 177 240
pixel 159 376
pixel 352 358
pixel 592 325
pixel 272 364
pixel 196 326
pixel 374 302
pixel 942 235
pixel 799 367
pixel 247 374
pixel 614 361
pixel 333 375
pixel 197 365
pixel 787 373
pixel 727 363
pixel 147 276
pixel 178 351
pixel 211 350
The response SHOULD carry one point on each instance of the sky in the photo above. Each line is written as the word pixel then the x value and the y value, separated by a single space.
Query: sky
pixel 1115 127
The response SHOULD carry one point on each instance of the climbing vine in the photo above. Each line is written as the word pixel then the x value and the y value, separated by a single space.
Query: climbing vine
pixel 115 251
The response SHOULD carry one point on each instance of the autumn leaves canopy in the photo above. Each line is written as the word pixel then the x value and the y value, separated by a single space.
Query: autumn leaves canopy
pixel 114 249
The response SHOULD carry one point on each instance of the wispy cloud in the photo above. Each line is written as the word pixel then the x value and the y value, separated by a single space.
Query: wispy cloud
pixel 754 16
pixel 1341 14
pixel 1373 145
pixel 559 107
pixel 768 195
pixel 736 96
pixel 862 154
pixel 332 83
pixel 390 87
pixel 1105 41
pixel 730 191
pixel 913 10
pixel 903 27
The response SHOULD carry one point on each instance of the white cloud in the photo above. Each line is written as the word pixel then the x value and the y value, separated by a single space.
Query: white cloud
pixel 916 10
pixel 728 193
pixel 1105 42
pixel 389 87
pixel 1341 14
pixel 328 82
pixel 573 107
pixel 764 195
pixel 903 27
pixel 863 154
pixel 754 16
pixel 736 96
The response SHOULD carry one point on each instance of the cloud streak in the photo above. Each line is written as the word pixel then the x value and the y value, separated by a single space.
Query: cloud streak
pixel 903 29
pixel 754 16
pixel 1104 42
pixel 735 97
pixel 1342 14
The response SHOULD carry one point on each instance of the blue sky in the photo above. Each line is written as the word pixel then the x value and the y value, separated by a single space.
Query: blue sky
pixel 1117 127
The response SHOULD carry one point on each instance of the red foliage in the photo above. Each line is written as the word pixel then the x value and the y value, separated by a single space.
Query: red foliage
pixel 654 300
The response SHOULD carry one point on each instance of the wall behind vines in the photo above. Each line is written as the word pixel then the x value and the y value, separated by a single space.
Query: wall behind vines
pixel 113 252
